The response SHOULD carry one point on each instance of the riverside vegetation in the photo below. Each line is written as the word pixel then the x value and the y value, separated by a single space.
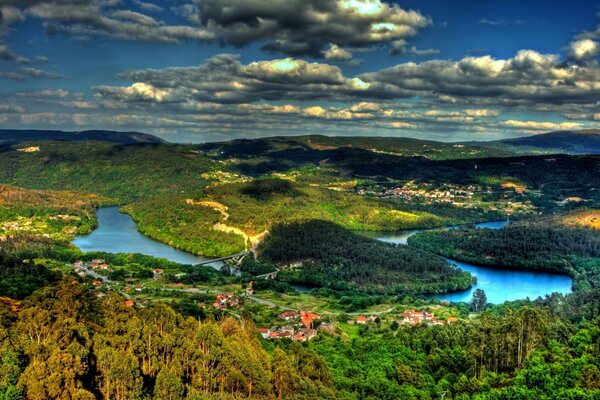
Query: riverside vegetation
pixel 59 340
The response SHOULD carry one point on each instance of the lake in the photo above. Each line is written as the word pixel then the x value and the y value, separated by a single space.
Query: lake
pixel 117 233
pixel 500 285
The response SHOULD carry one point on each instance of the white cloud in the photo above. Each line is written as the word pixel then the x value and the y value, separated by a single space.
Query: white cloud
pixel 335 52
pixel 583 49
pixel 541 126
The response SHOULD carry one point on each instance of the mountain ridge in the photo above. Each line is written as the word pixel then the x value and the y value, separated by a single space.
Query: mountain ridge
pixel 13 136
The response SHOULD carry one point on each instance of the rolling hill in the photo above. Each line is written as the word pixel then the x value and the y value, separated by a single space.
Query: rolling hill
pixel 572 142
pixel 12 136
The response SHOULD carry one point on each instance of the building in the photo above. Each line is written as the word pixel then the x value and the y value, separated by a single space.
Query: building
pixel 308 318
pixel 289 315
pixel 250 289
pixel 264 332
pixel 361 320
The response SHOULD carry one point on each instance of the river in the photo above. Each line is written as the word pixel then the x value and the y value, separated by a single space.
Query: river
pixel 500 285
pixel 117 233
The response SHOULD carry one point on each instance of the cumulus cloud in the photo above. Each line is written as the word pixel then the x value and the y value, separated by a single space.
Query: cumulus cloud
pixel 583 50
pixel 529 78
pixel 541 126
pixel 224 79
pixel 335 52
pixel 400 47
pixel 149 7
pixel 306 27
pixel 102 17
pixel 10 108
pixel 292 27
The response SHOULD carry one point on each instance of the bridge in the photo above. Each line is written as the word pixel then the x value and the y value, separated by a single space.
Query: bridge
pixel 235 257
pixel 270 275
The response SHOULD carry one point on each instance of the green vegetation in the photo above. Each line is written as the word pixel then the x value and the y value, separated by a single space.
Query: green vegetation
pixel 65 342
pixel 37 215
pixel 248 209
pixel 333 257
pixel 257 205
pixel 185 226
pixel 534 246
pixel 388 145
pixel 509 354
pixel 123 172
pixel 61 339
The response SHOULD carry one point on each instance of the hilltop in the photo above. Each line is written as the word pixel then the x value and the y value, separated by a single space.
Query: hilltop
pixel 392 146
pixel 12 136
pixel 573 142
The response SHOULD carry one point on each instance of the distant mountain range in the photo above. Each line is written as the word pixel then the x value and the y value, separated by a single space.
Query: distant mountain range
pixel 17 136
pixel 573 142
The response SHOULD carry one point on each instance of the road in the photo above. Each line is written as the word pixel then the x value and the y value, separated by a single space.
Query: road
pixel 268 303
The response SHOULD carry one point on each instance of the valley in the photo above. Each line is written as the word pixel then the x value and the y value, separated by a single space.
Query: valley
pixel 381 248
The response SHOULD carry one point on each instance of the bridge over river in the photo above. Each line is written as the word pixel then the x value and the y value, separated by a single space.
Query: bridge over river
pixel 235 257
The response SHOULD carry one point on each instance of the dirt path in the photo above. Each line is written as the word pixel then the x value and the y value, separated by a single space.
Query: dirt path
pixel 251 241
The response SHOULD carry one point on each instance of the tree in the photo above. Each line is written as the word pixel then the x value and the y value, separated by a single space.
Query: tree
pixel 168 386
pixel 479 300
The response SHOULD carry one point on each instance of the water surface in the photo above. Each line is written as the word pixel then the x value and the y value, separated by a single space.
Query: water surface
pixel 500 285
pixel 117 233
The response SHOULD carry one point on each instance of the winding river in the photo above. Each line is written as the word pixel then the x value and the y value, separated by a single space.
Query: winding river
pixel 117 233
pixel 500 285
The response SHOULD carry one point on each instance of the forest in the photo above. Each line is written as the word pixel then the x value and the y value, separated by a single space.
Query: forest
pixel 60 340
pixel 63 342
pixel 136 171
pixel 253 207
pixel 523 245
pixel 335 258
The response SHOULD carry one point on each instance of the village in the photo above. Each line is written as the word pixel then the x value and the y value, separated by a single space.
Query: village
pixel 295 325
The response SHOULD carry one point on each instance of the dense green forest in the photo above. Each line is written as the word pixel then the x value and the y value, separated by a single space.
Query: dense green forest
pixel 123 172
pixel 129 172
pixel 63 342
pixel 338 259
pixel 60 340
pixel 390 145
pixel 525 245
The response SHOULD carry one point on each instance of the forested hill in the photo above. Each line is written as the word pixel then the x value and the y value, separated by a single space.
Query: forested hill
pixel 573 142
pixel 397 146
pixel 333 257
pixel 27 135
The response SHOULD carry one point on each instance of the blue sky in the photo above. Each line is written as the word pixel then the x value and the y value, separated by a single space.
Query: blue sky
pixel 204 70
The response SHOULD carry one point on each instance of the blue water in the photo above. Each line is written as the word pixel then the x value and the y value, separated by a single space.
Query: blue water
pixel 500 285
pixel 117 233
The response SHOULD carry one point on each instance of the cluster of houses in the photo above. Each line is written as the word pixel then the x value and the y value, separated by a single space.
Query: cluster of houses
pixel 301 329
pixel 445 194
pixel 96 263
pixel 225 300
pixel 412 317
pixel 362 320
pixel 288 332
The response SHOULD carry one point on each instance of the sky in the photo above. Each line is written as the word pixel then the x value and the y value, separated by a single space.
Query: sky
pixel 210 70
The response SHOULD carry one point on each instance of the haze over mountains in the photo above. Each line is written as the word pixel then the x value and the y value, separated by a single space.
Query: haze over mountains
pixel 571 142
pixel 26 135
pixel 575 142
